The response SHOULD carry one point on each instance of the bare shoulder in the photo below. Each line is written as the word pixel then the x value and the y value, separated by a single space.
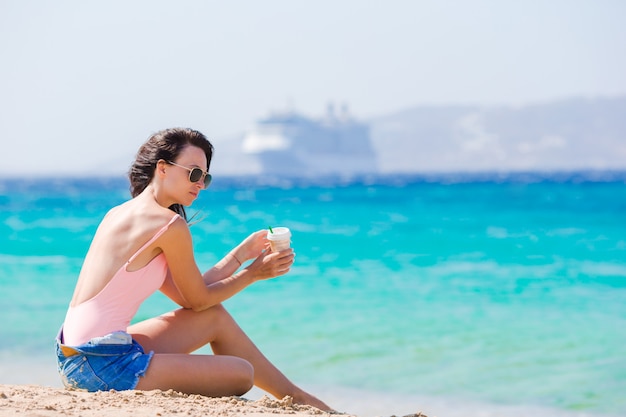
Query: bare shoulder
pixel 178 228
pixel 138 222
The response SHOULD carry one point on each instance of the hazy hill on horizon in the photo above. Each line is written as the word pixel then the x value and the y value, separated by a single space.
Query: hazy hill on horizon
pixel 561 135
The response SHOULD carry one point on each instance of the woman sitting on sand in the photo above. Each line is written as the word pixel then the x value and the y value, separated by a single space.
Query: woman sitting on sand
pixel 144 245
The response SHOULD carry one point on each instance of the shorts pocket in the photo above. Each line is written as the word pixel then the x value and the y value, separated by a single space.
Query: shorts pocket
pixel 76 372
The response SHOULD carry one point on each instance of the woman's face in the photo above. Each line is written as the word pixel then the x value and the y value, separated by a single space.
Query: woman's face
pixel 182 189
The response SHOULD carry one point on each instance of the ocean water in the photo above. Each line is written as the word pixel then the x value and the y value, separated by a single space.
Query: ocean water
pixel 490 295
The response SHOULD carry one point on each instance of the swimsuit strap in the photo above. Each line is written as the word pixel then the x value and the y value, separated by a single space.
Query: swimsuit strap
pixel 155 237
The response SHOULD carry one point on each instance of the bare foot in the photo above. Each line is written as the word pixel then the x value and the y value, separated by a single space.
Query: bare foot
pixel 305 398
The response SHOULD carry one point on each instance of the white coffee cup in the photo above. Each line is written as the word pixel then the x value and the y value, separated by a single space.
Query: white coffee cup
pixel 280 238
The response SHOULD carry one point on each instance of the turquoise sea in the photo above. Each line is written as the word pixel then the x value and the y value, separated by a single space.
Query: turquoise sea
pixel 490 294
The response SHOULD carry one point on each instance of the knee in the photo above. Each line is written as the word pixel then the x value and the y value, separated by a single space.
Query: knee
pixel 213 314
pixel 216 312
pixel 244 372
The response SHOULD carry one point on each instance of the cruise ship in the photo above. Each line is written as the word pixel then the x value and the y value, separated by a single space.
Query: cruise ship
pixel 291 144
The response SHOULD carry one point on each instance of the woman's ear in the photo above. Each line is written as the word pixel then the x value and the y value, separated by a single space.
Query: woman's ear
pixel 160 168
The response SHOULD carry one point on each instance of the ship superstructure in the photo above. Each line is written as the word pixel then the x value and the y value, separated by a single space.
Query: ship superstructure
pixel 291 144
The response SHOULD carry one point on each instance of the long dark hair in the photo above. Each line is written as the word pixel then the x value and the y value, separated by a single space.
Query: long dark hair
pixel 167 145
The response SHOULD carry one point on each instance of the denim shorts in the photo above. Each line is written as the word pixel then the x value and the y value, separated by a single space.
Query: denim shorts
pixel 98 366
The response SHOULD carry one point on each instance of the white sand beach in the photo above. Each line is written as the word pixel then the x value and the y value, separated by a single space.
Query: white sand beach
pixel 40 401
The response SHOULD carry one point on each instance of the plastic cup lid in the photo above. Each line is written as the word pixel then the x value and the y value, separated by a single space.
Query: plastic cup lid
pixel 279 233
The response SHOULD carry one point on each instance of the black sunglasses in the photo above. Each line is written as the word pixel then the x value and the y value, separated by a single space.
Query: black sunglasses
pixel 195 174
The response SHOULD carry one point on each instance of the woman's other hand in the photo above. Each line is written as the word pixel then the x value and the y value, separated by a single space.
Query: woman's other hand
pixel 272 264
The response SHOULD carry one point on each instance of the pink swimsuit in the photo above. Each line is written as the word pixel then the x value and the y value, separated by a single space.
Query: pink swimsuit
pixel 113 308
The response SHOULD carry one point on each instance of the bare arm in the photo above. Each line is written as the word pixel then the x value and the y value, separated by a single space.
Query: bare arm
pixel 250 248
pixel 169 289
pixel 200 292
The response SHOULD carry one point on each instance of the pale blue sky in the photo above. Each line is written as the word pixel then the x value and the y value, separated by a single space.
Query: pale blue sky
pixel 84 83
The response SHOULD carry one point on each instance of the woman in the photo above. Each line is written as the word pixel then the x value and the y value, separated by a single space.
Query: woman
pixel 144 245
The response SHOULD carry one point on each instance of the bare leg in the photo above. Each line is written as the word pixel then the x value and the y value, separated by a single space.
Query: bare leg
pixel 174 335
pixel 213 376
